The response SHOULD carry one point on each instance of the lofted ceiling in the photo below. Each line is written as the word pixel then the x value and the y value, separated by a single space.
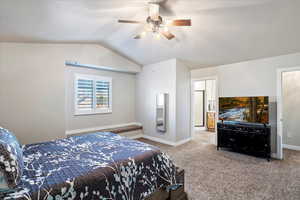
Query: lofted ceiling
pixel 222 32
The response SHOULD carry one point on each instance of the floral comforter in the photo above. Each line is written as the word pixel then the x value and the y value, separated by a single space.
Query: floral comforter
pixel 94 166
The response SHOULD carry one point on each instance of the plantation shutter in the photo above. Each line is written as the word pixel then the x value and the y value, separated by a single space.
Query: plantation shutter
pixel 93 94
pixel 102 94
pixel 85 94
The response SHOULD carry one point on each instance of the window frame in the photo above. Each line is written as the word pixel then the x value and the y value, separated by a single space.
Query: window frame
pixel 94 110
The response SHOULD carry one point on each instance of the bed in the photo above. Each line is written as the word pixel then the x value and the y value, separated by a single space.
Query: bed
pixel 100 165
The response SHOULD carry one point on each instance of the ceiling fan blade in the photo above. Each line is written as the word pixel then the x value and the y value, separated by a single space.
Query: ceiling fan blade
pixel 181 22
pixel 137 37
pixel 128 21
pixel 168 35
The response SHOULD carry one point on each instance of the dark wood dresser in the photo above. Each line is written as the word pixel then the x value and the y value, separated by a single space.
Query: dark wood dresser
pixel 252 139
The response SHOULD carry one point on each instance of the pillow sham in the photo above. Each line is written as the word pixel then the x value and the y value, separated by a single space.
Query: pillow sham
pixel 11 159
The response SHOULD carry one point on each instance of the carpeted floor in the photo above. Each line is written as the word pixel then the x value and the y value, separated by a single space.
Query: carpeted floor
pixel 223 175
pixel 206 137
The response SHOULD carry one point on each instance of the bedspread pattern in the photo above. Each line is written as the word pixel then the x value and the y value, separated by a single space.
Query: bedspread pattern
pixel 93 166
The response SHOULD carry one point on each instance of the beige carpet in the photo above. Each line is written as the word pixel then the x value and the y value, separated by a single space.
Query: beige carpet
pixel 206 137
pixel 223 175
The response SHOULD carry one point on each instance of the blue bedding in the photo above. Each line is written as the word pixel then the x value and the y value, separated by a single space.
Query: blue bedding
pixel 94 166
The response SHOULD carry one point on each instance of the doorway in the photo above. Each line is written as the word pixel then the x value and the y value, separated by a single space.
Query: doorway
pixel 204 112
pixel 199 105
pixel 288 87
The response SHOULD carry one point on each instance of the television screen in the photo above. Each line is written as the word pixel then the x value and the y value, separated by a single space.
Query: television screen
pixel 244 109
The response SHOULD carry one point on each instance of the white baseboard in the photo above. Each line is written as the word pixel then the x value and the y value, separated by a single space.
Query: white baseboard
pixel 136 136
pixel 274 155
pixel 183 141
pixel 159 140
pixel 291 147
pixel 200 128
pixel 99 128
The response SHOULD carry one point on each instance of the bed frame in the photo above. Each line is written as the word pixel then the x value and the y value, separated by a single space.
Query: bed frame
pixel 171 193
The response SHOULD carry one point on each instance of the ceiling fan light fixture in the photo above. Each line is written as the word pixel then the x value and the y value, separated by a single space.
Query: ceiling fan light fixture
pixel 156 25
pixel 143 34
pixel 157 36
pixel 166 29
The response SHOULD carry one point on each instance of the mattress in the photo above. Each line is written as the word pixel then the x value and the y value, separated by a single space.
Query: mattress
pixel 100 165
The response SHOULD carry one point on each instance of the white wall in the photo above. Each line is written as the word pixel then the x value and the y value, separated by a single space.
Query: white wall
pixel 152 80
pixel 32 91
pixel 210 90
pixel 251 78
pixel 256 77
pixel 32 85
pixel 291 107
pixel 183 101
pixel 123 105
pixel 123 87
pixel 171 77
pixel 97 55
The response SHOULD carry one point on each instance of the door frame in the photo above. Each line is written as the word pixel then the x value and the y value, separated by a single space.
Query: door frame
pixel 280 71
pixel 192 101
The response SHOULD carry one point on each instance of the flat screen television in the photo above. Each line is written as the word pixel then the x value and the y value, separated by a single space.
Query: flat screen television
pixel 244 109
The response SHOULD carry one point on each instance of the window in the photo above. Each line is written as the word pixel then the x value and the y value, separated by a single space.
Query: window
pixel 93 94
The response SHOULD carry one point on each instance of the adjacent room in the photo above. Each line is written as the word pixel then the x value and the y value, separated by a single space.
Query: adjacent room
pixel 149 100
pixel 203 109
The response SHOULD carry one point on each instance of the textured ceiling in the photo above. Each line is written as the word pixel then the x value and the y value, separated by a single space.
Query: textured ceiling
pixel 223 31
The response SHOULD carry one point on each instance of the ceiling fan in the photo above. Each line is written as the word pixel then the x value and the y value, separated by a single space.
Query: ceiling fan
pixel 156 24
